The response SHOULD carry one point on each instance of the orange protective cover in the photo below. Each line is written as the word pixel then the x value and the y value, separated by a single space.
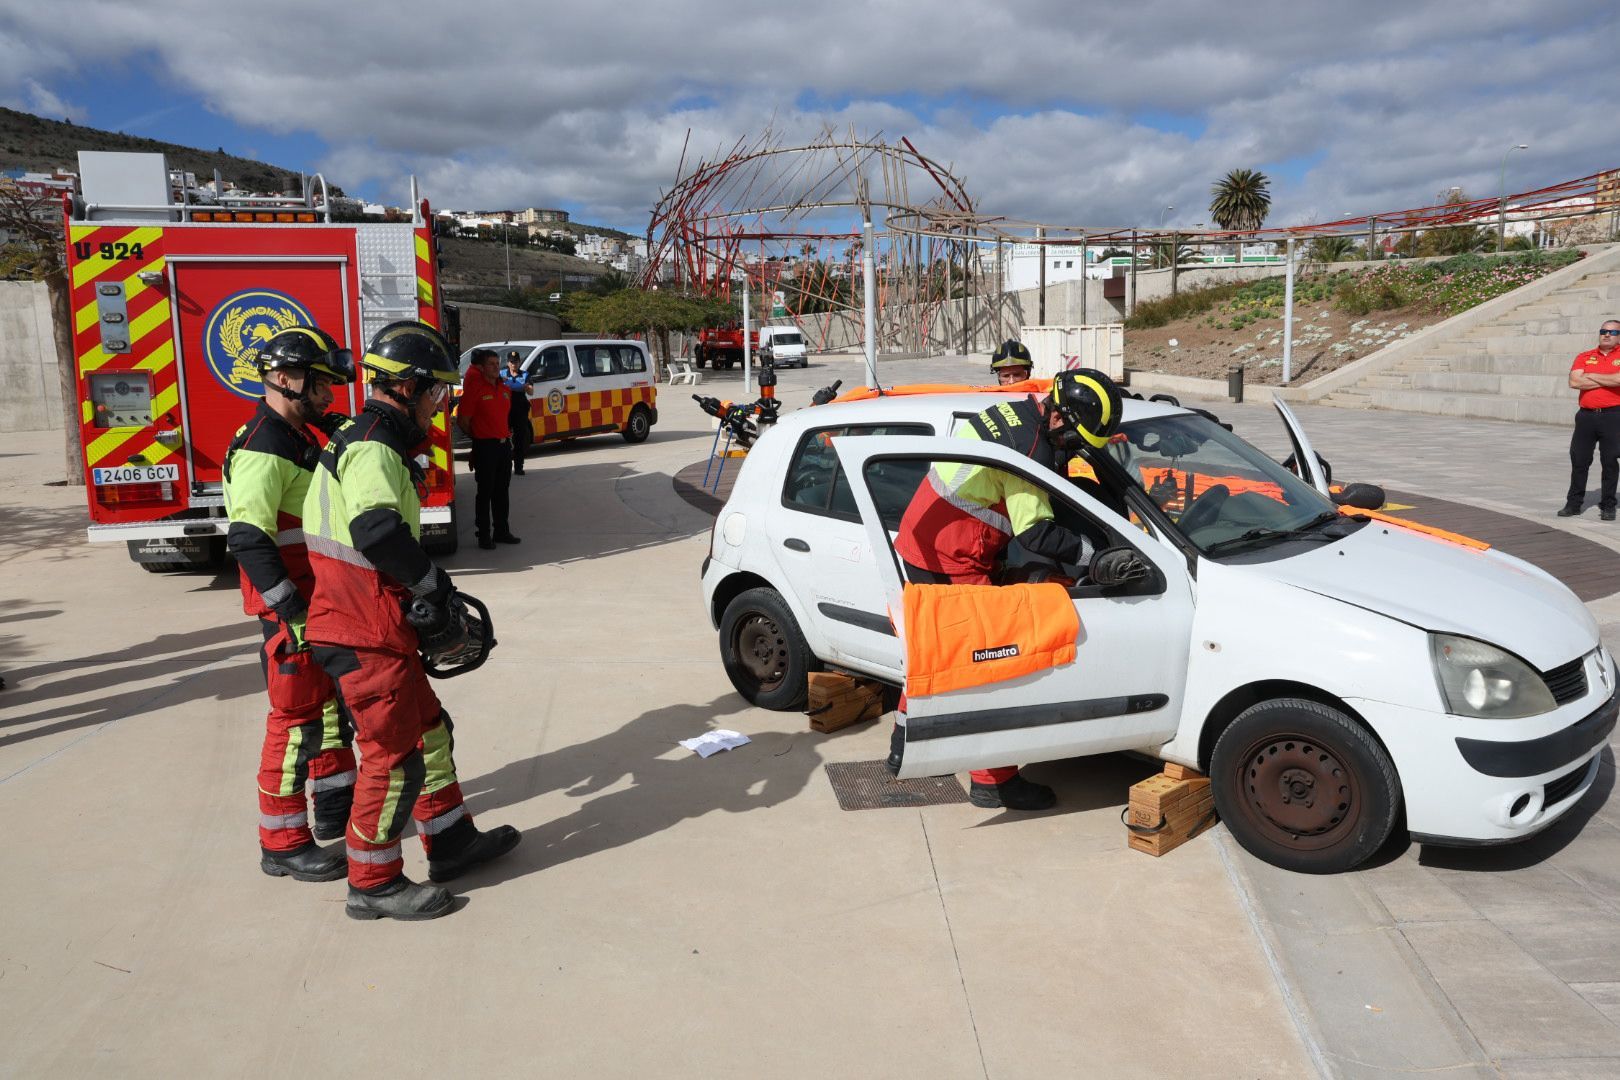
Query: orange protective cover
pixel 959 636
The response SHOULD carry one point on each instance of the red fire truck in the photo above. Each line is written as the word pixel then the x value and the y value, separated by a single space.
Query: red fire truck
pixel 170 298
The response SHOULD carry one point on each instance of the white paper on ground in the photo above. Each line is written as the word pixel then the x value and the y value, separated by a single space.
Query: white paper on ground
pixel 712 742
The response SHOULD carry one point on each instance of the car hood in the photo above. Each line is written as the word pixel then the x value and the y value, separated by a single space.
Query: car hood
pixel 1440 586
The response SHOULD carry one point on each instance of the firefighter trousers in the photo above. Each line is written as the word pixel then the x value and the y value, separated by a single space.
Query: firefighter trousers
pixel 492 473
pixel 917 575
pixel 407 766
pixel 307 738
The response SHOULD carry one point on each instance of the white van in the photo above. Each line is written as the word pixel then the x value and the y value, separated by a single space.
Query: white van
pixel 584 387
pixel 1337 677
pixel 785 345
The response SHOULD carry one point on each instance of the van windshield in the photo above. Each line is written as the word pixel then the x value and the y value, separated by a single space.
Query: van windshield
pixel 1223 494
pixel 787 339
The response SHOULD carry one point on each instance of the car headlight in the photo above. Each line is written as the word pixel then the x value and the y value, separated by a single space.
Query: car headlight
pixel 1483 681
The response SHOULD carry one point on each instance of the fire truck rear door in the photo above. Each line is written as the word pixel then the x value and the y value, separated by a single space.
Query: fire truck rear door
pixel 224 311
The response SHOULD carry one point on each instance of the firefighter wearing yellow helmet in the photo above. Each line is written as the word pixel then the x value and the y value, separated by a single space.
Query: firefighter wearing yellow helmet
pixel 958 526
pixel 1011 362
pixel 267 471
pixel 363 520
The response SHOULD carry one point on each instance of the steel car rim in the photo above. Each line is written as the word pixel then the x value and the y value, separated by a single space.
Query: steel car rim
pixel 762 651
pixel 638 424
pixel 1298 790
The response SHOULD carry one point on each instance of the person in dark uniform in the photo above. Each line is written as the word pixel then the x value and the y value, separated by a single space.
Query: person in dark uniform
pixel 483 415
pixel 522 425
pixel 1596 374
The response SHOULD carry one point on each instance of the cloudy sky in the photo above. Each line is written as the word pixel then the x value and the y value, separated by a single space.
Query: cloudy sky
pixel 1048 110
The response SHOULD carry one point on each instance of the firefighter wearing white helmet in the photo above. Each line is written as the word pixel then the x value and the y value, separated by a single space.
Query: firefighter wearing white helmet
pixel 363 521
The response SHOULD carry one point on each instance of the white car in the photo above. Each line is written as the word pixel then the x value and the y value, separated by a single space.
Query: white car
pixel 1327 671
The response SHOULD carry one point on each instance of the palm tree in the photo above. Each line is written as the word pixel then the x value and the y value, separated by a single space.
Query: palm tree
pixel 1242 199
pixel 1328 249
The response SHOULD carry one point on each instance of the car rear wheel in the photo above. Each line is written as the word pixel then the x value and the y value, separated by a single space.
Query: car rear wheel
pixel 764 651
pixel 638 426
pixel 1303 786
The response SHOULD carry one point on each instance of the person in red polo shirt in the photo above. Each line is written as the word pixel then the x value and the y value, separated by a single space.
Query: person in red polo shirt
pixel 1596 374
pixel 483 415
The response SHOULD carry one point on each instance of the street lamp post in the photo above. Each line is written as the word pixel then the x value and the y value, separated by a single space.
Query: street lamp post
pixel 1501 211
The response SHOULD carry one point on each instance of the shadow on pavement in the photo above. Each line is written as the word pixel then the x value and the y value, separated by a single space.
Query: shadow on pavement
pixel 183 654
pixel 1538 848
pixel 666 784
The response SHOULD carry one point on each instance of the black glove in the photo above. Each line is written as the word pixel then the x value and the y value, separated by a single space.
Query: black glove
pixel 1117 566
pixel 285 600
pixel 330 422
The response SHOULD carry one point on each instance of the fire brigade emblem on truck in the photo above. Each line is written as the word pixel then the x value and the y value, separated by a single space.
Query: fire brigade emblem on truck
pixel 554 402
pixel 238 326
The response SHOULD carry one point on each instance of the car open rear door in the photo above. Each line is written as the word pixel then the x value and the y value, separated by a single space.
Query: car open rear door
pixel 1310 468
pixel 1125 687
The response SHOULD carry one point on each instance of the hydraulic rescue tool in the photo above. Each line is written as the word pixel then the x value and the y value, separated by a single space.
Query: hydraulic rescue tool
pixel 456 637
pixel 733 417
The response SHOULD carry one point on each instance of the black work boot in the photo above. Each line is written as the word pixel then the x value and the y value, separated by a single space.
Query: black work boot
pixel 1014 794
pixel 332 808
pixel 308 863
pixel 897 750
pixel 401 899
pixel 1569 509
pixel 462 847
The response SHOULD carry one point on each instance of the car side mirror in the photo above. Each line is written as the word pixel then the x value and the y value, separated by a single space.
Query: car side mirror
pixel 1360 496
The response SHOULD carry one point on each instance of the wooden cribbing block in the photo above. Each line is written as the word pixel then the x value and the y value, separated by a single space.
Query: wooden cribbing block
pixel 1174 807
pixel 1181 772
pixel 838 700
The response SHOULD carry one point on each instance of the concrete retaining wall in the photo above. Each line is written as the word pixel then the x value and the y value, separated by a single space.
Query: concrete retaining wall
pixel 30 391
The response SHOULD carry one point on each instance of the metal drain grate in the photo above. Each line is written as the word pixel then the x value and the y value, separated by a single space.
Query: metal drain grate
pixel 867 785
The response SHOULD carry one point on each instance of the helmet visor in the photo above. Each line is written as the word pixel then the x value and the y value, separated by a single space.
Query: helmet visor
pixel 339 363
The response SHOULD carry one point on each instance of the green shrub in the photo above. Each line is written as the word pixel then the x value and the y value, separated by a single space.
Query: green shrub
pixel 1151 313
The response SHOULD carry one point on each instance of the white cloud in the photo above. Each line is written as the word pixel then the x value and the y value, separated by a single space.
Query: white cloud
pixel 1050 110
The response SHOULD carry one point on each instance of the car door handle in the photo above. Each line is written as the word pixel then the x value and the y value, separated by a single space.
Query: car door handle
pixel 793 543
pixel 568 387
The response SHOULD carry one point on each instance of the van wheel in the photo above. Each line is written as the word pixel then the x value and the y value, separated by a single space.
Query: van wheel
pixel 699 357
pixel 166 567
pixel 764 651
pixel 638 426
pixel 1304 787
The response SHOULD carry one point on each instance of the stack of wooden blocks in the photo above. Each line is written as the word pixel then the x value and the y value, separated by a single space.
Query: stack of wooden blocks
pixel 838 700
pixel 1175 805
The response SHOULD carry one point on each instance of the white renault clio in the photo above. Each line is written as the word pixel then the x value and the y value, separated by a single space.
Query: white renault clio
pixel 1328 671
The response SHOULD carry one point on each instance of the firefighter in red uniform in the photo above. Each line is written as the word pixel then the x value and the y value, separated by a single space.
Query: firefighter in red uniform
pixel 363 519
pixel 960 522
pixel 307 736
pixel 485 415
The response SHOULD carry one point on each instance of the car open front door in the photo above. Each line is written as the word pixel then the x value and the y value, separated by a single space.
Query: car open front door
pixel 1123 690
pixel 1309 465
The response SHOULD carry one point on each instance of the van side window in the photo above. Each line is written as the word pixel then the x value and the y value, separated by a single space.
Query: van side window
pixel 594 360
pixel 817 485
pixel 550 365
pixel 631 360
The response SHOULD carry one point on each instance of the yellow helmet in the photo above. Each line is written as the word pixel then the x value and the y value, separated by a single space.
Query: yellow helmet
pixel 411 350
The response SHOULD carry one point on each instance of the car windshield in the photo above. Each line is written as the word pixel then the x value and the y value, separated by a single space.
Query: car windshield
pixel 1223 494
pixel 787 339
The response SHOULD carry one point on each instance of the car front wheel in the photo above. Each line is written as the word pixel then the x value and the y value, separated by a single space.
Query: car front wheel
pixel 1303 786
pixel 764 651
pixel 637 426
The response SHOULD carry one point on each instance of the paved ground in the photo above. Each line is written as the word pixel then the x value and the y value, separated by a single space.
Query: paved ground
pixel 676 917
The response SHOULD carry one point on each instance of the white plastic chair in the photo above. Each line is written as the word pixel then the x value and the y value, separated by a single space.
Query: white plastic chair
pixel 683 371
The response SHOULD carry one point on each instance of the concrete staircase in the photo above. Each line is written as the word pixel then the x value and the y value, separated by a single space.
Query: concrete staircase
pixel 1511 365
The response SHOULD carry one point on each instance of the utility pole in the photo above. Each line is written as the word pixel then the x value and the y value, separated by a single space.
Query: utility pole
pixel 1288 319
pixel 1131 307
pixel 1085 278
pixel 1501 211
pixel 869 276
pixel 1040 255
pixel 506 231
pixel 748 348
pixel 1175 261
